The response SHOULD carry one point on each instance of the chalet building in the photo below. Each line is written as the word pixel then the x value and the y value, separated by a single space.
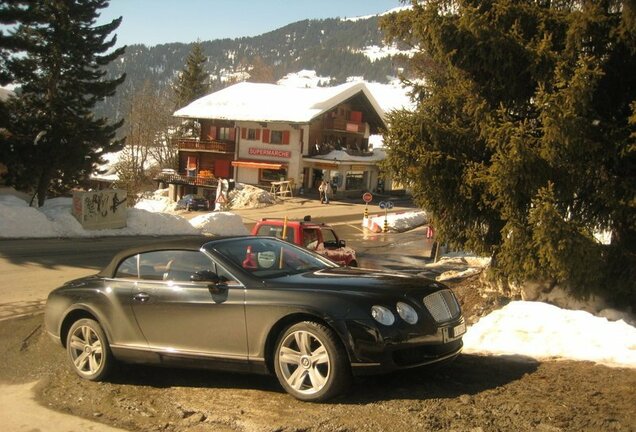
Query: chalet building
pixel 263 133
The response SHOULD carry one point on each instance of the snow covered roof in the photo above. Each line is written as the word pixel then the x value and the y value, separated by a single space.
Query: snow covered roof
pixel 275 103
pixel 339 157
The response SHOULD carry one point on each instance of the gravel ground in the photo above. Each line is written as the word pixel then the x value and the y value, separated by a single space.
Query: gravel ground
pixel 474 393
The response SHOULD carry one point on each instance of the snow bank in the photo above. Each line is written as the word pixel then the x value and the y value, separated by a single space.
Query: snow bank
pixel 544 331
pixel 17 219
pixel 397 222
pixel 219 223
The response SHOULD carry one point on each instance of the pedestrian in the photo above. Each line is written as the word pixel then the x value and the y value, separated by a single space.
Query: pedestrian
pixel 326 190
pixel 321 191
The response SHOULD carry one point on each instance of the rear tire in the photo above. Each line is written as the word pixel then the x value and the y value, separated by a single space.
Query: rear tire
pixel 310 362
pixel 353 263
pixel 88 350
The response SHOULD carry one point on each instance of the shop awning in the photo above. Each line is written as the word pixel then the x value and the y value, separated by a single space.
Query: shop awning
pixel 258 164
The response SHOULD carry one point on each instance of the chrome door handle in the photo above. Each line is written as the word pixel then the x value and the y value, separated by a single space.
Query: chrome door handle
pixel 142 297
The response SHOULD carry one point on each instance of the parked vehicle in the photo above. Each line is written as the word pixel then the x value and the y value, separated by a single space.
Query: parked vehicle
pixel 193 202
pixel 318 237
pixel 253 304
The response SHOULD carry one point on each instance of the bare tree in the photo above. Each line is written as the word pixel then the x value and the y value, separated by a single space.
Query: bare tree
pixel 148 145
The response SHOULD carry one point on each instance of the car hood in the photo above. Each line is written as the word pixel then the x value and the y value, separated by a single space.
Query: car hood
pixel 361 281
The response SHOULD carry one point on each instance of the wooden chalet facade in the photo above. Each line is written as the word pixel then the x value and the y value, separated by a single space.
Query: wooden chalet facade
pixel 263 133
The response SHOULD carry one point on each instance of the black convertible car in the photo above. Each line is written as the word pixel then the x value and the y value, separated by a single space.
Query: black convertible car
pixel 253 304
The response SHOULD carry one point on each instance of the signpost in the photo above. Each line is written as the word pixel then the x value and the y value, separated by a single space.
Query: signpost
pixel 386 206
pixel 367 198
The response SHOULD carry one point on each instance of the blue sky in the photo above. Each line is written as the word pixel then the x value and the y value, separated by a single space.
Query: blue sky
pixel 163 21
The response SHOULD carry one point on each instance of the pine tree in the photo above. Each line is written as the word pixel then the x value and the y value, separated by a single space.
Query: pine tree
pixel 522 145
pixel 193 81
pixel 55 141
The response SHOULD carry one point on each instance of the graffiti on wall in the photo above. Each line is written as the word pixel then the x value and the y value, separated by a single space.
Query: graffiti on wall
pixel 103 209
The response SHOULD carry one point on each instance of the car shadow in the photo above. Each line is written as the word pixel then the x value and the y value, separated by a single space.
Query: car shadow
pixel 467 375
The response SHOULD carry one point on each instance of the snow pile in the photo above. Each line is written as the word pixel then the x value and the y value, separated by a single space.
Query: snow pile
pixel 396 222
pixel 543 331
pixel 459 265
pixel 17 219
pixel 156 202
pixel 248 196
pixel 219 223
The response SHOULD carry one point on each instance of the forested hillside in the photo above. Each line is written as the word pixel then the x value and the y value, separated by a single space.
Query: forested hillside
pixel 331 47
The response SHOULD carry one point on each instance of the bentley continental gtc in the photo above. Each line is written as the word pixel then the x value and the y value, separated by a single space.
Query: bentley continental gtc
pixel 256 305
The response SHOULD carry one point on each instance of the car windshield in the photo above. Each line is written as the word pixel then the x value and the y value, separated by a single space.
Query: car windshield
pixel 267 257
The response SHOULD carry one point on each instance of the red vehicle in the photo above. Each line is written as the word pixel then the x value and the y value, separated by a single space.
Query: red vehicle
pixel 318 237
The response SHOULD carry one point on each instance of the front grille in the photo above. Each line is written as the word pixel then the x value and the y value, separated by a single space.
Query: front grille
pixel 425 353
pixel 442 306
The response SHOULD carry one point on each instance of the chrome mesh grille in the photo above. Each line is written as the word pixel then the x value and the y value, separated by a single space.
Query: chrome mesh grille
pixel 442 305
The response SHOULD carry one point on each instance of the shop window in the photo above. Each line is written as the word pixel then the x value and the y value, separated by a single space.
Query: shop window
pixel 355 180
pixel 270 175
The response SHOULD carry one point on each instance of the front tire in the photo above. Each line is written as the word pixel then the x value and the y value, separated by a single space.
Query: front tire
pixel 310 362
pixel 88 350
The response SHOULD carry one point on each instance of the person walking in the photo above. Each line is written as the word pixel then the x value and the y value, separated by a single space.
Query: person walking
pixel 321 190
pixel 326 187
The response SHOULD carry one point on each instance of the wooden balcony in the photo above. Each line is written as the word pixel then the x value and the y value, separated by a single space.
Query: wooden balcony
pixel 341 125
pixel 205 145
pixel 184 179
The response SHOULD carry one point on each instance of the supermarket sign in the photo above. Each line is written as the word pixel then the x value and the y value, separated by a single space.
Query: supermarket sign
pixel 255 151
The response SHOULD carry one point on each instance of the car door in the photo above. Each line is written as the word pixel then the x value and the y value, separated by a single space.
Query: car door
pixel 178 316
pixel 332 250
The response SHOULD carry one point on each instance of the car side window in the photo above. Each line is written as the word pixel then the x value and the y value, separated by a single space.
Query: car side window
pixel 329 237
pixel 310 238
pixel 181 265
pixel 128 268
pixel 276 231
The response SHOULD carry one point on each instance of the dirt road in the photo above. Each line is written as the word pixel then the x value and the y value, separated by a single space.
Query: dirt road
pixel 475 393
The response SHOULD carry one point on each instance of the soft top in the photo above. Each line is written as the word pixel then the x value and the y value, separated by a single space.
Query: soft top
pixel 193 243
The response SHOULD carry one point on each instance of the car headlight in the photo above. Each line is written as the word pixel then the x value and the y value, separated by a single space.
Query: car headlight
pixel 407 313
pixel 382 315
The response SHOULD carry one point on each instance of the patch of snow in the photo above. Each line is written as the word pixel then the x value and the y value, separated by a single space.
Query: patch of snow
pixel 544 331
pixel 248 196
pixel 220 223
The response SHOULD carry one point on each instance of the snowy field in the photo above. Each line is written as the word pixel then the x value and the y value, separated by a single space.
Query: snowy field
pixel 531 329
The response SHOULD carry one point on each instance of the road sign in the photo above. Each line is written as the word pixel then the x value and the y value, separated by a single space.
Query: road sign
pixel 382 205
pixel 221 199
pixel 367 197
pixel 389 205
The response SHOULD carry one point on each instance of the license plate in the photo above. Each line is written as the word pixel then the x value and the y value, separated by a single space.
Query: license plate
pixel 458 330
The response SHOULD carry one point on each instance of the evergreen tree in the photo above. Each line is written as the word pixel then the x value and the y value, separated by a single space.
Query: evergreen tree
pixel 193 82
pixel 522 144
pixel 55 141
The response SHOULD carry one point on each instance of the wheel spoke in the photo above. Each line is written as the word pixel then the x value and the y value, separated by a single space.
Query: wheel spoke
pixel 80 361
pixel 319 356
pixel 93 363
pixel 317 380
pixel 302 339
pixel 86 335
pixel 297 378
pixel 289 356
pixel 76 343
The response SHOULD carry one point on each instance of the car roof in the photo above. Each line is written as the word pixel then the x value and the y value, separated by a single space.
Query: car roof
pixel 193 243
pixel 277 222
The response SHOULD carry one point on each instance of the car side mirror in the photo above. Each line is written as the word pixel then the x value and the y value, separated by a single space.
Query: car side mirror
pixel 342 243
pixel 205 276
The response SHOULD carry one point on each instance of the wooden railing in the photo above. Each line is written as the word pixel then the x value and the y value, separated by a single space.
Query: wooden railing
pixel 185 179
pixel 205 145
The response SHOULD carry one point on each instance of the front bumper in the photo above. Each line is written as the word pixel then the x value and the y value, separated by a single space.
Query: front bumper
pixel 377 349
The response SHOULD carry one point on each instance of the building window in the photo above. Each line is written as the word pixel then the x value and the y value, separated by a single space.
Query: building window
pixel 270 175
pixel 225 133
pixel 355 180
pixel 253 134
pixel 277 137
